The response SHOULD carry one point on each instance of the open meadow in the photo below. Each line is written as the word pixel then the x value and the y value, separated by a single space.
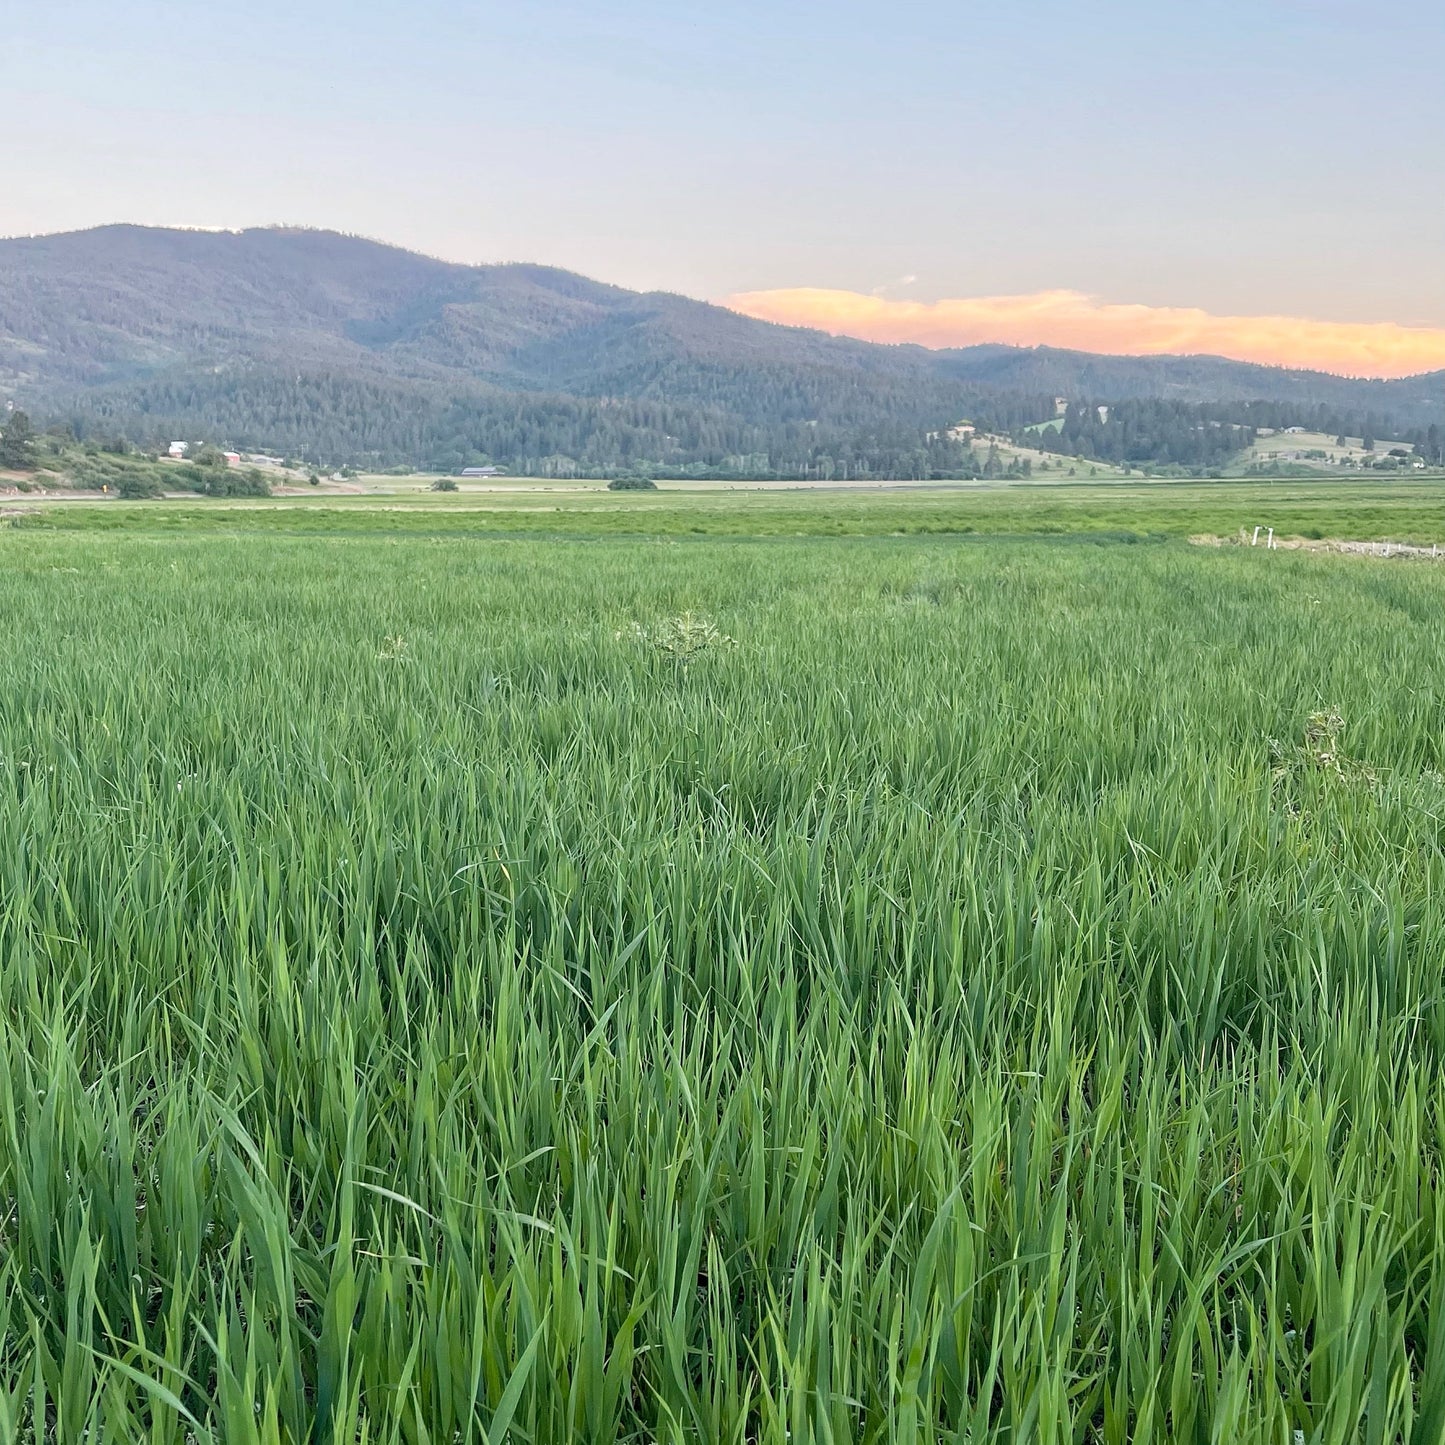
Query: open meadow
pixel 957 966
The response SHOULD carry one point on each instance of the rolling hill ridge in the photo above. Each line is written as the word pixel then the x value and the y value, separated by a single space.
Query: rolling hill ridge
pixel 345 349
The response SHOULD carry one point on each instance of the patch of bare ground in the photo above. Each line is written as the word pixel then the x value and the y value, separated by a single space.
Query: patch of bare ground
pixel 296 489
pixel 1384 550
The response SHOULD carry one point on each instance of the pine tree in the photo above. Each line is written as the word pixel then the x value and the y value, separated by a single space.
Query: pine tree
pixel 17 443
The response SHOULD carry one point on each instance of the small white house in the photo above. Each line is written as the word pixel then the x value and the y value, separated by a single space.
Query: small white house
pixel 178 450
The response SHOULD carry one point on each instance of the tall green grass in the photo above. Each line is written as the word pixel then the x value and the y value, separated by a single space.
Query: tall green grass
pixel 975 1003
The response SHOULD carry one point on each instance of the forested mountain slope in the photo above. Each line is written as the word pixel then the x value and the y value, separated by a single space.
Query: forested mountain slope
pixel 343 349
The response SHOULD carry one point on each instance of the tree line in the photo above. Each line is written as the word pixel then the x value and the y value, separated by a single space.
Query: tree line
pixel 1206 435
pixel 786 431
pixel 1132 433
pixel 691 420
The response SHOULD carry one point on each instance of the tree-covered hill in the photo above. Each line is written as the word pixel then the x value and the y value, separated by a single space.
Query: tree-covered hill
pixel 344 350
pixel 1413 401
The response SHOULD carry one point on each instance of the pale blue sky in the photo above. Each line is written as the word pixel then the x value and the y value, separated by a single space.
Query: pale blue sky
pixel 1240 155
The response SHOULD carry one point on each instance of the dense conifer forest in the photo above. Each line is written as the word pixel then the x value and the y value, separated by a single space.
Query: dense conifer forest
pixel 340 351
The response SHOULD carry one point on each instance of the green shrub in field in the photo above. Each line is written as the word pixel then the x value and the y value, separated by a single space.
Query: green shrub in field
pixel 233 482
pixel 682 639
pixel 220 480
pixel 1320 751
pixel 134 486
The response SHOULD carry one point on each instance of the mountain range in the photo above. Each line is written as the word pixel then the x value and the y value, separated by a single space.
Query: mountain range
pixel 346 350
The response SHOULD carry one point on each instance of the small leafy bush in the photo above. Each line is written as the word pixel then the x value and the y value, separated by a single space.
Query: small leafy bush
pixel 232 483
pixel 139 486
pixel 1320 751
pixel 683 639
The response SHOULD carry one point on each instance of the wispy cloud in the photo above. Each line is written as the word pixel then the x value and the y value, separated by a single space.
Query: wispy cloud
pixel 899 283
pixel 1072 319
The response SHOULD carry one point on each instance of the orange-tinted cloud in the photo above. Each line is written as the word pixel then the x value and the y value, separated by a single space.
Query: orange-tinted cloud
pixel 1071 319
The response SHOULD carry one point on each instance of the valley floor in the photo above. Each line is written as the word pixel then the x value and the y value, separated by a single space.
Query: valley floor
pixel 1401 510
pixel 711 966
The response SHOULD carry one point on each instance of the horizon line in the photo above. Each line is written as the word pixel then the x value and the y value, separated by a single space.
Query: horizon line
pixel 1377 351
pixel 1047 320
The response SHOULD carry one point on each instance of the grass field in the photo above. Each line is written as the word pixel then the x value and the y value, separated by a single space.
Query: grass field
pixel 1400 509
pixel 632 973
